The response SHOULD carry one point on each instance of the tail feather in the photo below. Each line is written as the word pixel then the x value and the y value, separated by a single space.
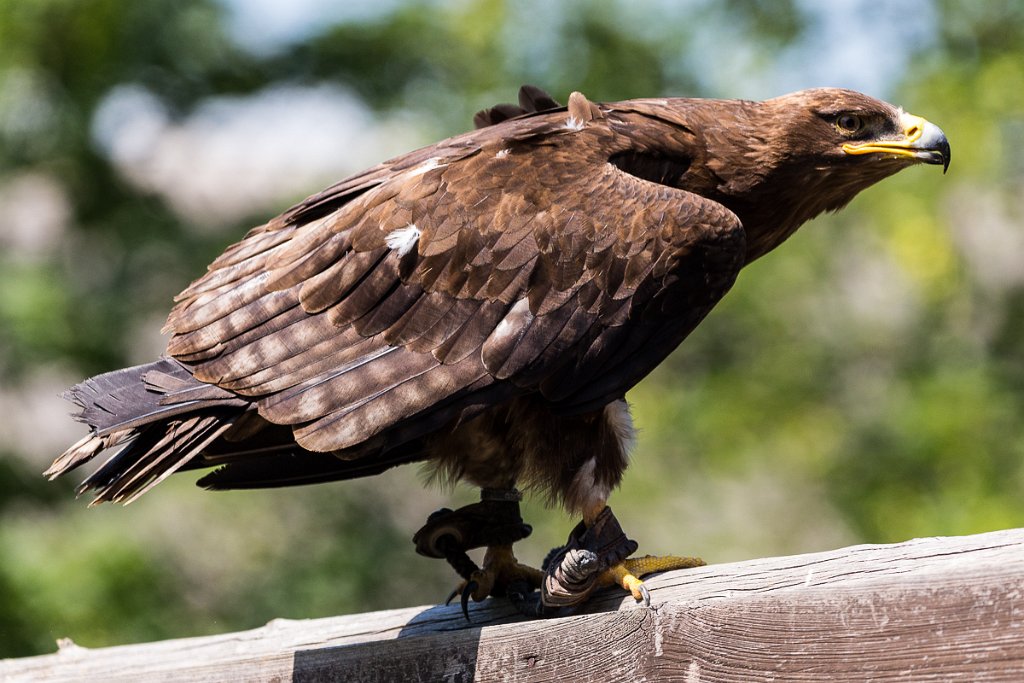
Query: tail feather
pixel 158 452
pixel 85 450
pixel 130 398
pixel 162 416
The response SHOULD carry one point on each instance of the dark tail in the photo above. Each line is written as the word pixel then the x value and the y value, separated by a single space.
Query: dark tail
pixel 164 415
pixel 166 420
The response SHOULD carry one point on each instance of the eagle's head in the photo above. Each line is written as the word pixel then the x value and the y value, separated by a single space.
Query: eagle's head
pixel 814 150
pixel 847 129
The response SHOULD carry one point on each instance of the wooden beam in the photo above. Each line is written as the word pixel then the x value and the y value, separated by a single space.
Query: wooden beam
pixel 933 609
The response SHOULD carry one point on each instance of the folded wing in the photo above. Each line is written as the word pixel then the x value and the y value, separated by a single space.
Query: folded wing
pixel 515 259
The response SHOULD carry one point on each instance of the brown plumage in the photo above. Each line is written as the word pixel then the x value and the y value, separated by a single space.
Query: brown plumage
pixel 485 303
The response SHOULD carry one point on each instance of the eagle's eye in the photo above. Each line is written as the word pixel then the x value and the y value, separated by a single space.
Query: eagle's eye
pixel 849 123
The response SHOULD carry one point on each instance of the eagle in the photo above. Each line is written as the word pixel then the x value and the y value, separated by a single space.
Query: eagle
pixel 483 305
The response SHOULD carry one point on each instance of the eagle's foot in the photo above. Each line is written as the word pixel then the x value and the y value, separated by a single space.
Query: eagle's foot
pixel 576 569
pixel 494 522
pixel 502 575
pixel 627 574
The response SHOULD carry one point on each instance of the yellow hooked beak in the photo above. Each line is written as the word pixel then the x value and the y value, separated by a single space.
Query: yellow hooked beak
pixel 922 140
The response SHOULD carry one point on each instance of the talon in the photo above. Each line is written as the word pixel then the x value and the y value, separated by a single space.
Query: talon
pixel 466 593
pixel 483 581
pixel 451 596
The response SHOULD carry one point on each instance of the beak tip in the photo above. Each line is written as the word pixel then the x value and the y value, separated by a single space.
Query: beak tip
pixel 934 140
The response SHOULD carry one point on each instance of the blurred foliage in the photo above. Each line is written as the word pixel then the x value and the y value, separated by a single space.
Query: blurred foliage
pixel 863 383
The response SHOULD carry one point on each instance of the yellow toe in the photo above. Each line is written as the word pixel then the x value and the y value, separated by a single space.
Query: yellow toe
pixel 627 574
pixel 652 564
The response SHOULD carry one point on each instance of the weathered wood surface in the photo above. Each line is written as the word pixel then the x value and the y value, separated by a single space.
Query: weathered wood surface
pixel 934 609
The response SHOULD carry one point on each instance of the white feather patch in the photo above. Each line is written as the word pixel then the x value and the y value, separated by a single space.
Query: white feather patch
pixel 585 489
pixel 621 423
pixel 502 153
pixel 573 123
pixel 404 239
pixel 513 323
pixel 428 165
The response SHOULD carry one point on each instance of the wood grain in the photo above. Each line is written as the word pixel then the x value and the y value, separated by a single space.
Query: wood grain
pixel 935 609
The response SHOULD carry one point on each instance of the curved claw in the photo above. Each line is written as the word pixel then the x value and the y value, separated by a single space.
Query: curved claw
pixel 451 596
pixel 466 593
pixel 645 593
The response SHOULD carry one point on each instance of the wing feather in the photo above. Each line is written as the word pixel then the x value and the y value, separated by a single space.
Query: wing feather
pixel 212 337
pixel 368 293
pixel 403 395
pixel 389 311
pixel 328 287
pixel 345 386
pixel 295 271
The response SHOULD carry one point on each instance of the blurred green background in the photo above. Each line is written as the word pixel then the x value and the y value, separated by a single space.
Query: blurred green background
pixel 863 383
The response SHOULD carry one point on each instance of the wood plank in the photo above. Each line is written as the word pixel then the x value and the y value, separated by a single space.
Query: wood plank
pixel 929 609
